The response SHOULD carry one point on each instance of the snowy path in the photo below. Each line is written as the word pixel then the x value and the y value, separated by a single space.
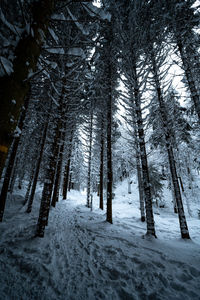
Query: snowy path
pixel 83 257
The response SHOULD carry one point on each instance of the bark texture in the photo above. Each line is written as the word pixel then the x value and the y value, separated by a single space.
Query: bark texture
pixel 16 85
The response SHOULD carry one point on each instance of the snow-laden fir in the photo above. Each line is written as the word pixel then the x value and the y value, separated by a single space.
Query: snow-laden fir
pixel 84 257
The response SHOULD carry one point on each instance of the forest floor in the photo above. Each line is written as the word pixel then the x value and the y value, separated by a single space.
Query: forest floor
pixel 84 257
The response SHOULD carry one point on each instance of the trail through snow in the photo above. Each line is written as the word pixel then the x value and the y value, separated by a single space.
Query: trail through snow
pixel 83 257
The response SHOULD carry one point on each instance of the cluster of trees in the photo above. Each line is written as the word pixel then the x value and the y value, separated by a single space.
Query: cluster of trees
pixel 62 64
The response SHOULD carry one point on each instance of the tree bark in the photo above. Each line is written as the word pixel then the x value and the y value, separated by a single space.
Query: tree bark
pixel 140 183
pixel 37 169
pixel 163 112
pixel 101 166
pixel 143 156
pixel 67 169
pixel 109 159
pixel 15 87
pixel 89 159
pixel 58 173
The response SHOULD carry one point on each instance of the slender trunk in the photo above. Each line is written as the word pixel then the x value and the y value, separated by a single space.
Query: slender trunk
pixel 101 167
pixel 89 160
pixel 58 174
pixel 143 156
pixel 129 183
pixel 29 186
pixel 163 112
pixel 37 169
pixel 66 178
pixel 67 169
pixel 109 159
pixel 140 184
pixel 70 182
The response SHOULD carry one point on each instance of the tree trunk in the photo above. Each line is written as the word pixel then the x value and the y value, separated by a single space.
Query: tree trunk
pixel 29 186
pixel 109 159
pixel 37 169
pixel 15 86
pixel 101 166
pixel 67 169
pixel 50 172
pixel 58 173
pixel 89 159
pixel 143 156
pixel 66 179
pixel 140 184
pixel 163 112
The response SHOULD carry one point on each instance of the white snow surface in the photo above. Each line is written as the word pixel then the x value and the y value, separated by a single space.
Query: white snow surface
pixel 84 257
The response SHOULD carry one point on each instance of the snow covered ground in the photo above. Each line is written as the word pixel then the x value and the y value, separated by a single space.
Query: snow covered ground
pixel 83 257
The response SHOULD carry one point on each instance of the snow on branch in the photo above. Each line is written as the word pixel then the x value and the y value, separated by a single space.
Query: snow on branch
pixel 94 11
pixel 77 52
pixel 7 66
pixel 79 25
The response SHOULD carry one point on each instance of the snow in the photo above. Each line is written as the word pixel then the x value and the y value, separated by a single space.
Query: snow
pixel 93 11
pixel 84 257
pixel 60 16
pixel 54 36
pixel 17 132
pixel 58 50
pixel 84 31
pixel 13 28
pixel 76 52
pixel 7 66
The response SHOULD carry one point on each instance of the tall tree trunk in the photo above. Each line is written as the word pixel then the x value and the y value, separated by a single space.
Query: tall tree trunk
pixel 101 166
pixel 89 159
pixel 50 171
pixel 66 178
pixel 29 185
pixel 67 168
pixel 11 161
pixel 163 112
pixel 37 169
pixel 15 86
pixel 109 159
pixel 140 183
pixel 58 173
pixel 143 156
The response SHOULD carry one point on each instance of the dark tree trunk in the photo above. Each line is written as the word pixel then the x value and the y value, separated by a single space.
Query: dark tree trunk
pixel 70 182
pixel 101 166
pixel 50 171
pixel 15 86
pixel 66 179
pixel 163 112
pixel 109 160
pixel 58 174
pixel 89 159
pixel 140 183
pixel 29 186
pixel 37 169
pixel 143 156
pixel 67 169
